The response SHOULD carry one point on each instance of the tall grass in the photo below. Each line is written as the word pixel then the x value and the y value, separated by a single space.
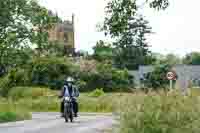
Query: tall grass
pixel 12 112
pixel 37 99
pixel 160 113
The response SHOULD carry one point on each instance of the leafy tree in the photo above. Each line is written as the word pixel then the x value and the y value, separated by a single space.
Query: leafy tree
pixel 19 19
pixel 170 59
pixel 42 20
pixel 102 51
pixel 158 4
pixel 192 59
pixel 129 29
pixel 14 29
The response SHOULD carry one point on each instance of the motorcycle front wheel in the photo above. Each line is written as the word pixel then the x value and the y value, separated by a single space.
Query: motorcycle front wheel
pixel 66 115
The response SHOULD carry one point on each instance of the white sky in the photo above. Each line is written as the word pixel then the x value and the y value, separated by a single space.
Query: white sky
pixel 177 28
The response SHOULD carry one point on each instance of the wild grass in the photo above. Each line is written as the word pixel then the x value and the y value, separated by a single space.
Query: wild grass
pixel 38 99
pixel 12 112
pixel 160 113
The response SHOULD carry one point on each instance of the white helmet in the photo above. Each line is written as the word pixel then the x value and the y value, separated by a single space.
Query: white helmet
pixel 70 79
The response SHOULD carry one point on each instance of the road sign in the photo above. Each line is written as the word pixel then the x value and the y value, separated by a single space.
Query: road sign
pixel 171 75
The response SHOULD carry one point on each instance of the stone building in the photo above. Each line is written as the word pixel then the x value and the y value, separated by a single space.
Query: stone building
pixel 64 33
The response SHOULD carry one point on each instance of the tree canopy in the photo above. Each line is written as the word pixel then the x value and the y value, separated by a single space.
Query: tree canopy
pixel 102 51
pixel 23 23
pixel 129 29
pixel 192 58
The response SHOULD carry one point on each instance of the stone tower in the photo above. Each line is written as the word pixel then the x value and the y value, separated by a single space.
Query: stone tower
pixel 63 33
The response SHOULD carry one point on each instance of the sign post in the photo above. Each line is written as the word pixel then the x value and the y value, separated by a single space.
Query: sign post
pixel 171 76
pixel 171 84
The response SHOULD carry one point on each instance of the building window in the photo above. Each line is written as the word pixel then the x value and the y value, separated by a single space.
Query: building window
pixel 66 37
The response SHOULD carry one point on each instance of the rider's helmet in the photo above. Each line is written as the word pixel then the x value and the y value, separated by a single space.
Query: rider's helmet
pixel 69 80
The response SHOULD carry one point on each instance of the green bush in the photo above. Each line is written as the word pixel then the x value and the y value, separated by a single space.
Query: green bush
pixel 43 71
pixel 15 77
pixel 51 72
pixel 13 116
pixel 97 93
pixel 107 77
pixel 7 116
pixel 157 79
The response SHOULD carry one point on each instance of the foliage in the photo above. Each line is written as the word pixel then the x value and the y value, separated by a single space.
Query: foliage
pixel 103 75
pixel 170 59
pixel 12 112
pixel 97 93
pixel 102 51
pixel 42 20
pixel 23 23
pixel 51 71
pixel 13 116
pixel 157 78
pixel 55 49
pixel 15 77
pixel 192 59
pixel 43 71
pixel 129 29
pixel 160 113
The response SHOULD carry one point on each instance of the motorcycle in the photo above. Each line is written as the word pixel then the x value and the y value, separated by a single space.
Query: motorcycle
pixel 68 109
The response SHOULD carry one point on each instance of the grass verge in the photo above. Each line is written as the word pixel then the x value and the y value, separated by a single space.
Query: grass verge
pixel 160 113
pixel 11 112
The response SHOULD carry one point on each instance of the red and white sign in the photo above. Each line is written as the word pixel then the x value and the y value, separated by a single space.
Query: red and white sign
pixel 171 75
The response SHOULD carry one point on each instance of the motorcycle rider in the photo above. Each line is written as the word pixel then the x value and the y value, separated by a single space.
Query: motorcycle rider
pixel 70 90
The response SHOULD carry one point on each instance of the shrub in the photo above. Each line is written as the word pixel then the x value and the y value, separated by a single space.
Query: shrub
pixel 14 116
pixel 15 77
pixel 42 71
pixel 7 116
pixel 157 79
pixel 51 71
pixel 105 76
pixel 97 93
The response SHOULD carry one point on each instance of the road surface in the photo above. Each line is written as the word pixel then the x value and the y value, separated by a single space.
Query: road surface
pixel 52 123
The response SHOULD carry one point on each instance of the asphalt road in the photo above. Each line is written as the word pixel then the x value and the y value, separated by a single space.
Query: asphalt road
pixel 52 123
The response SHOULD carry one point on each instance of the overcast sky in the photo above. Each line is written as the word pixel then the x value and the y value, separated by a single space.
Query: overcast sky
pixel 176 29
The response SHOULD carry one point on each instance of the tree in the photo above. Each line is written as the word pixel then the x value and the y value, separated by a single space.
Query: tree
pixel 14 29
pixel 19 19
pixel 124 24
pixel 170 59
pixel 42 20
pixel 102 51
pixel 192 58
pixel 129 29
